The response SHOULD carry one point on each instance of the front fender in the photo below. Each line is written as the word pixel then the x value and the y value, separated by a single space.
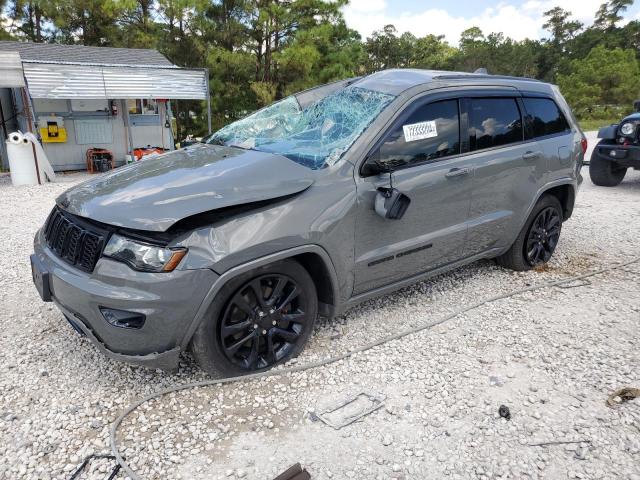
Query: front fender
pixel 252 265
pixel 608 132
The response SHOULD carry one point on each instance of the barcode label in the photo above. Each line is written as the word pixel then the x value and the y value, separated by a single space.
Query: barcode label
pixel 419 131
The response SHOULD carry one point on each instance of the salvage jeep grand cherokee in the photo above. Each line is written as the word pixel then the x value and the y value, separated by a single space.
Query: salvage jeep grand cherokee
pixel 231 249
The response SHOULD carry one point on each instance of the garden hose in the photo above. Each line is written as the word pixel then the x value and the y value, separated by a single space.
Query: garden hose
pixel 327 361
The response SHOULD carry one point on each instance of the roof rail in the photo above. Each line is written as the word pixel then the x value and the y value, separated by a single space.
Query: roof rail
pixel 466 76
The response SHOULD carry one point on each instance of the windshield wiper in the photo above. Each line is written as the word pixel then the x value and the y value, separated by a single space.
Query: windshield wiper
pixel 218 141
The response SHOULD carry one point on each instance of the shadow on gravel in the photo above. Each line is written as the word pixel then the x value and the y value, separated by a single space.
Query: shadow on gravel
pixel 423 288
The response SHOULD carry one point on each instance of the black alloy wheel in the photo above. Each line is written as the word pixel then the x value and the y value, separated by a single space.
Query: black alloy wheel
pixel 264 321
pixel 543 236
pixel 258 319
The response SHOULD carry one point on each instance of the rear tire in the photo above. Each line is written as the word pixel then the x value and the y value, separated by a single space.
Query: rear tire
pixel 605 173
pixel 258 320
pixel 540 234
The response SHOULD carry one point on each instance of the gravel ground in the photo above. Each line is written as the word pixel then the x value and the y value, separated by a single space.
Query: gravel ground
pixel 551 356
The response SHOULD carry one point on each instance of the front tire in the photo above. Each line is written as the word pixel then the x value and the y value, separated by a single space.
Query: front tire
pixel 258 320
pixel 605 173
pixel 538 239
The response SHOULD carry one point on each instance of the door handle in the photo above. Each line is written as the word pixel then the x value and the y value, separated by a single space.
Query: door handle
pixel 457 172
pixel 530 155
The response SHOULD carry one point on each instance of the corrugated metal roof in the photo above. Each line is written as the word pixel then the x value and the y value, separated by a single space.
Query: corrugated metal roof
pixel 86 82
pixel 50 52
pixel 11 75
pixel 153 83
pixel 64 81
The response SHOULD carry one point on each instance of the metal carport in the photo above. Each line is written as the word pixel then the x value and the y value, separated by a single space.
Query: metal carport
pixel 61 77
pixel 11 77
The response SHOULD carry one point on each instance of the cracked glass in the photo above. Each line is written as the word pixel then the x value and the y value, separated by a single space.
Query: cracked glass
pixel 314 136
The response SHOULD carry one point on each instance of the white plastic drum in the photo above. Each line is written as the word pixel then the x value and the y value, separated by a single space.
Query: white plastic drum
pixel 21 163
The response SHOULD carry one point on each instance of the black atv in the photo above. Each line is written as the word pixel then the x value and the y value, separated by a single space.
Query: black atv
pixel 618 150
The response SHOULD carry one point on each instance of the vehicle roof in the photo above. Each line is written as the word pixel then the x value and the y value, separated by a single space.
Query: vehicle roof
pixel 396 81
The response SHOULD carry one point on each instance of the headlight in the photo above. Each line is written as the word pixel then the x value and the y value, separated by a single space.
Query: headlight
pixel 143 256
pixel 627 128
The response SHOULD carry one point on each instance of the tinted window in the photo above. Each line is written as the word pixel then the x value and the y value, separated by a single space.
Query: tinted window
pixel 543 117
pixel 493 122
pixel 428 134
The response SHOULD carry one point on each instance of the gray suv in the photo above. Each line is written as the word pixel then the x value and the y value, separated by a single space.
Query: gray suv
pixel 231 249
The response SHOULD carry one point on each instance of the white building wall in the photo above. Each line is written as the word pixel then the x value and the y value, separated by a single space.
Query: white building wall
pixel 71 156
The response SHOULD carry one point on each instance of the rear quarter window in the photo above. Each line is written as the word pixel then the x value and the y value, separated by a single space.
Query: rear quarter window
pixel 494 122
pixel 543 117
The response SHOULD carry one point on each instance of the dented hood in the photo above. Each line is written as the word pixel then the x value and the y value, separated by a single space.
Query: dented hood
pixel 155 193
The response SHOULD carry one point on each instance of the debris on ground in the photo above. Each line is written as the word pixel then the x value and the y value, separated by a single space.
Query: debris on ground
pixel 504 412
pixel 623 395
pixel 96 456
pixel 558 442
pixel 351 409
pixel 295 472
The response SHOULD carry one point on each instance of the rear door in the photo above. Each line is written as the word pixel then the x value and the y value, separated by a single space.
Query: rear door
pixel 509 170
pixel 547 126
pixel 431 171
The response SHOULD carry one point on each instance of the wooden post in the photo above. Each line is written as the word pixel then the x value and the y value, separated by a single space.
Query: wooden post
pixel 26 106
pixel 3 121
pixel 35 159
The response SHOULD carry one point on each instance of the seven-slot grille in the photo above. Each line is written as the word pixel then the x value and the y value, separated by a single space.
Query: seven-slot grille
pixel 75 242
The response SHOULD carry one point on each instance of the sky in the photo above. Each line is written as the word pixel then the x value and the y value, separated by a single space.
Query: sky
pixel 518 19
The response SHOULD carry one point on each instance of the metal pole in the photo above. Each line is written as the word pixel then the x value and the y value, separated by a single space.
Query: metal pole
pixel 35 159
pixel 4 157
pixel 28 109
pixel 206 73
pixel 125 116
pixel 169 114
pixel 4 123
pixel 3 149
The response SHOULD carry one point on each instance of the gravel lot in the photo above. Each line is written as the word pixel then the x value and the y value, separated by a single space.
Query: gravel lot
pixel 552 356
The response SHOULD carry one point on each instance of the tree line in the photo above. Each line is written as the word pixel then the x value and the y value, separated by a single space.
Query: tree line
pixel 258 51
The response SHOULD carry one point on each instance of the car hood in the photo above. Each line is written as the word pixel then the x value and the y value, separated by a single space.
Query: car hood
pixel 157 192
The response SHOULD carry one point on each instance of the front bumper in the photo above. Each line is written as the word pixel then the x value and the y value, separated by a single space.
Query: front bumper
pixel 168 301
pixel 625 156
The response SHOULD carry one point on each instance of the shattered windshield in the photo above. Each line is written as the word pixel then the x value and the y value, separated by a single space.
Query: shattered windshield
pixel 314 136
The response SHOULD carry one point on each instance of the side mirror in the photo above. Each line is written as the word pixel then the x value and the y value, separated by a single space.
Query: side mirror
pixel 376 164
pixel 391 203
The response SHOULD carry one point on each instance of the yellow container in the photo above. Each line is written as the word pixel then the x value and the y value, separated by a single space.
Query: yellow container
pixel 53 134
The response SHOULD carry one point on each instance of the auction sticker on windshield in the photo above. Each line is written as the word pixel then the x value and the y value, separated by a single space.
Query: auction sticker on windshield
pixel 419 131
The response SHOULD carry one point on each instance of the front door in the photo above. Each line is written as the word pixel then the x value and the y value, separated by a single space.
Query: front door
pixel 424 145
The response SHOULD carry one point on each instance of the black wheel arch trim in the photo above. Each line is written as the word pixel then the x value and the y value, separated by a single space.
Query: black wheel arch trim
pixel 570 201
pixel 567 210
pixel 260 262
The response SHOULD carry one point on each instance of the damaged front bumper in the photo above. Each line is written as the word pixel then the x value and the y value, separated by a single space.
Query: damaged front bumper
pixel 163 305
pixel 166 360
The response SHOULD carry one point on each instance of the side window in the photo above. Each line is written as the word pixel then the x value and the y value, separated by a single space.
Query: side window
pixel 493 122
pixel 543 117
pixel 428 134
